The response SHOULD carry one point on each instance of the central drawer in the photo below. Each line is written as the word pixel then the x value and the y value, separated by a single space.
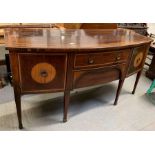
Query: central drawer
pixel 90 77
pixel 100 58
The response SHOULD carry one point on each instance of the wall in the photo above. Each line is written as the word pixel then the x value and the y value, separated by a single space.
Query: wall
pixel 151 28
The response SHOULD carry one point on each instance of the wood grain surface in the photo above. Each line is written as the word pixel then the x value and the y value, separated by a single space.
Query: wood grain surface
pixel 72 39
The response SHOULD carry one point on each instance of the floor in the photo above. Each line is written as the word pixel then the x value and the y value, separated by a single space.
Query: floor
pixel 90 109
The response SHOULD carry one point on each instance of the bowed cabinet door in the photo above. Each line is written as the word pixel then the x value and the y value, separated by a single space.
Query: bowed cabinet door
pixel 137 59
pixel 42 72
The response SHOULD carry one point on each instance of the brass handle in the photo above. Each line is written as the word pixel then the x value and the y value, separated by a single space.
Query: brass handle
pixel 43 73
pixel 118 58
pixel 90 61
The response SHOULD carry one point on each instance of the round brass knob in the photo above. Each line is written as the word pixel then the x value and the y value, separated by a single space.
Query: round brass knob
pixel 90 61
pixel 43 73
pixel 118 58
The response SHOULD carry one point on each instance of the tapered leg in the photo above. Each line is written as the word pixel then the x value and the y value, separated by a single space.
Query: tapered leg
pixel 136 82
pixel 121 81
pixel 66 103
pixel 18 107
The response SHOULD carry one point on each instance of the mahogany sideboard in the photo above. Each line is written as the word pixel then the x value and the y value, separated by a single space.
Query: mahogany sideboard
pixel 55 60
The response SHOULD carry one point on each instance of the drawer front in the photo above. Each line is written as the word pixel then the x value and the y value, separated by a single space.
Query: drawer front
pixel 101 59
pixel 97 76
pixel 42 72
pixel 137 59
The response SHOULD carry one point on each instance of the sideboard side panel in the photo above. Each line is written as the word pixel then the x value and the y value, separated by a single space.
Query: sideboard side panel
pixel 14 63
pixel 137 59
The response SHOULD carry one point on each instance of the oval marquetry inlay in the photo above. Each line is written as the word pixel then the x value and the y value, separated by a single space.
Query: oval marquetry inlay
pixel 138 59
pixel 43 73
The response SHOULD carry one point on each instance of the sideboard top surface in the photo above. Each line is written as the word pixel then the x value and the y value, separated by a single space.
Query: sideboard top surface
pixel 72 39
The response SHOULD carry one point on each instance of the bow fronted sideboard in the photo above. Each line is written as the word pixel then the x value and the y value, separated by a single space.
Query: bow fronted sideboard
pixel 59 60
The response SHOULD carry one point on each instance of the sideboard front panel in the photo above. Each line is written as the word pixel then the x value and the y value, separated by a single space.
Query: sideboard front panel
pixel 137 60
pixel 42 72
pixel 96 59
pixel 86 78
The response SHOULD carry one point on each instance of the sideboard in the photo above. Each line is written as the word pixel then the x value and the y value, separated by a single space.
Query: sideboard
pixel 56 60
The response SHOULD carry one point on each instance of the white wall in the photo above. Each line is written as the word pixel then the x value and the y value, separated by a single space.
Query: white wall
pixel 151 28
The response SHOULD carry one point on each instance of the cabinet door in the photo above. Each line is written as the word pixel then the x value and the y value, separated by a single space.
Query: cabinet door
pixel 42 72
pixel 137 59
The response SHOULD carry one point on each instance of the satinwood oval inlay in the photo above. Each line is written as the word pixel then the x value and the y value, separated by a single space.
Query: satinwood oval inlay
pixel 138 59
pixel 43 73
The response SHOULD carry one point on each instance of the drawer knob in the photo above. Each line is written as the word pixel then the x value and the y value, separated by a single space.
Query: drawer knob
pixel 43 73
pixel 118 58
pixel 91 61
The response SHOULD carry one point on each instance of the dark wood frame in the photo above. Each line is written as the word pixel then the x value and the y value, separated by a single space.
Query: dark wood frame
pixel 68 84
